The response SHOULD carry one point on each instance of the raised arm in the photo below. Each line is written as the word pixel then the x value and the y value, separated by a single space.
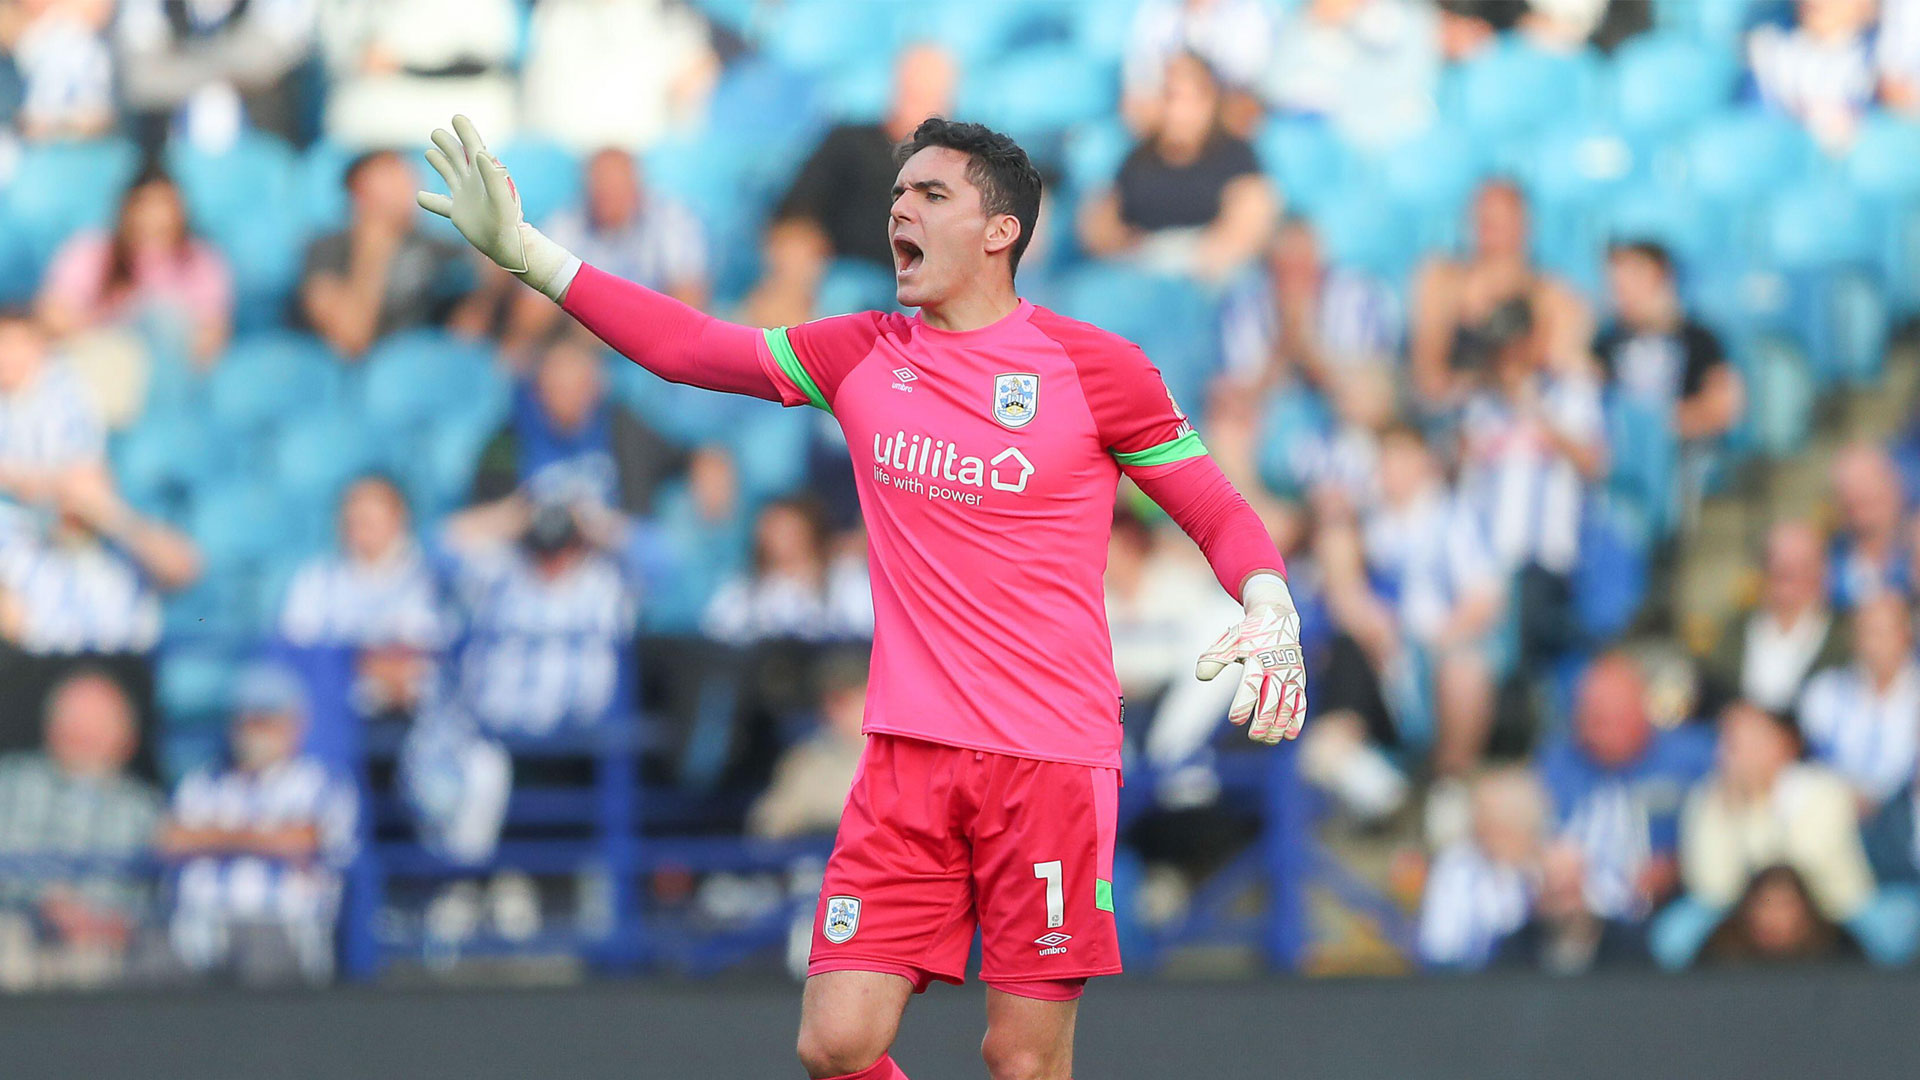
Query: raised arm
pixel 655 331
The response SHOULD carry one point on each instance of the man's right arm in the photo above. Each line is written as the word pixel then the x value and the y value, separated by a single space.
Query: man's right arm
pixel 655 331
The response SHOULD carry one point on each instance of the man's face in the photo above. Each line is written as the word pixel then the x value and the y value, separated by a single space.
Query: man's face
pixel 941 232
pixel 21 352
pixel 569 385
pixel 384 189
pixel 1500 221
pixel 372 519
pixel 90 730
pixel 265 738
pixel 1752 750
pixel 1796 570
pixel 613 189
pixel 1882 635
pixel 1641 290
pixel 1612 713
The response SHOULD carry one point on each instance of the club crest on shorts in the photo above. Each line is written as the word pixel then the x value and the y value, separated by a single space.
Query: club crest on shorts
pixel 1016 397
pixel 843 918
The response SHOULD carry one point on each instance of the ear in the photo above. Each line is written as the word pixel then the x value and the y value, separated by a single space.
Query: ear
pixel 1002 231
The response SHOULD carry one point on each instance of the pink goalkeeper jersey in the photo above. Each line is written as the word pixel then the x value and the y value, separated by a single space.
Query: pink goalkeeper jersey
pixel 987 462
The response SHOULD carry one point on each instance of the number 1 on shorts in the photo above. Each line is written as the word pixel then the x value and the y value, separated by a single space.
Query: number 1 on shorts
pixel 1056 897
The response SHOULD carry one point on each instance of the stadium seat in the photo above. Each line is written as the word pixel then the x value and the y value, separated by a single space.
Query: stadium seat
pixel 545 173
pixel 1036 94
pixel 1643 481
pixel 1666 82
pixel 1780 395
pixel 167 455
pixel 1100 27
pixel 1884 168
pixel 192 684
pixel 815 36
pixel 1514 88
pixel 1306 157
pixel 61 187
pixel 238 523
pixel 1744 154
pixel 256 178
pixel 1363 231
pixel 422 375
pixel 1818 225
pixel 315 454
pixel 979 32
pixel 854 285
pixel 1646 212
pixel 266 377
pixel 1429 175
pixel 770 450
pixel 1092 153
pixel 1167 316
pixel 1717 22
pixel 1576 163
pixel 322 199
pixel 1842 317
pixel 440 477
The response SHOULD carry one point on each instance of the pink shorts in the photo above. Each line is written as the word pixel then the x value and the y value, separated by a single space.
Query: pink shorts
pixel 937 840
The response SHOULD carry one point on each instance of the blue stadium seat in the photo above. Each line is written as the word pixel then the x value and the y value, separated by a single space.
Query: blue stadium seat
pixel 315 454
pixel 192 684
pixel 1430 175
pixel 1644 479
pixel 1169 317
pixel 1666 82
pixel 1101 27
pixel 440 478
pixel 1744 154
pixel 1306 157
pixel 1609 582
pixel 255 179
pixel 1038 93
pixel 546 174
pixel 854 285
pixel 1842 316
pixel 1361 230
pixel 978 32
pixel 166 456
pixel 1780 395
pixel 1884 167
pixel 1513 89
pixel 61 187
pixel 1646 212
pixel 422 375
pixel 1716 22
pixel 322 199
pixel 1576 163
pixel 770 450
pixel 266 377
pixel 816 36
pixel 237 523
pixel 1818 225
pixel 1092 153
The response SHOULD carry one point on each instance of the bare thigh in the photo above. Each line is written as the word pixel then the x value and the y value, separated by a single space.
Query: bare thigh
pixel 1028 1039
pixel 848 1019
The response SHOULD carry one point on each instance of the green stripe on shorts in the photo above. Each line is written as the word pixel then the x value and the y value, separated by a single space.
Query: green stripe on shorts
pixel 1103 894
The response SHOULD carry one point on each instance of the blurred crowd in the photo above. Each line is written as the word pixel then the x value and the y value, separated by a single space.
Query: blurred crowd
pixel 319 535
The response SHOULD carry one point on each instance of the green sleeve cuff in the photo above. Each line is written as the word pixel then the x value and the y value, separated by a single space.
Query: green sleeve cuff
pixel 1180 449
pixel 783 355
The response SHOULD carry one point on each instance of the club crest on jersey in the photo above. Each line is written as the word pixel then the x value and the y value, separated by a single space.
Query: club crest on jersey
pixel 1016 397
pixel 843 918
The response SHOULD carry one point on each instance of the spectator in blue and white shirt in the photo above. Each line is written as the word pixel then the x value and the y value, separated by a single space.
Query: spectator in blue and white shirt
pixel 49 426
pixel 91 583
pixel 1820 70
pixel 1299 320
pixel 1480 889
pixel 1863 719
pixel 797 590
pixel 549 592
pixel 1618 785
pixel 1868 554
pixel 628 229
pixel 261 841
pixel 377 595
pixel 62 57
pixel 1531 441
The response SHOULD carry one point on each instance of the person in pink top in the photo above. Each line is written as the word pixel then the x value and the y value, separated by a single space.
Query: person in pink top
pixel 988 436
pixel 150 259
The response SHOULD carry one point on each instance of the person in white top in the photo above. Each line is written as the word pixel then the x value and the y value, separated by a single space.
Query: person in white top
pixel 1480 889
pixel 377 595
pixel 797 590
pixel 1863 719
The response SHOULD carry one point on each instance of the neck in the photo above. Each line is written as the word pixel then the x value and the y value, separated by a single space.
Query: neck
pixel 972 310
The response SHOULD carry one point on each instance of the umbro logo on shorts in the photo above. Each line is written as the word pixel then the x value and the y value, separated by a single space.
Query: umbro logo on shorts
pixel 1053 944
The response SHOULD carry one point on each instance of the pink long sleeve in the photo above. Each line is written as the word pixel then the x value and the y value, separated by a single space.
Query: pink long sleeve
pixel 1203 502
pixel 667 337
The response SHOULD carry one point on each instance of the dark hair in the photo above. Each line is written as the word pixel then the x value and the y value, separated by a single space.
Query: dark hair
pixel 120 253
pixel 360 162
pixel 1008 182
pixel 1651 250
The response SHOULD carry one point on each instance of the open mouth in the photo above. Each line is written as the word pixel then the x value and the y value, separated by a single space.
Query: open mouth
pixel 907 256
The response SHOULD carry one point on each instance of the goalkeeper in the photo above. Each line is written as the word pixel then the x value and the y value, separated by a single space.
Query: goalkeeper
pixel 988 437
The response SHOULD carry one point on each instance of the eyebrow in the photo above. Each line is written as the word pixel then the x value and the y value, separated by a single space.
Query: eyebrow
pixel 922 185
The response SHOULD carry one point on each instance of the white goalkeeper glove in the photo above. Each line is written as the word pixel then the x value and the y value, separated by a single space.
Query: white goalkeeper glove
pixel 485 207
pixel 1273 679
